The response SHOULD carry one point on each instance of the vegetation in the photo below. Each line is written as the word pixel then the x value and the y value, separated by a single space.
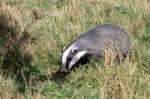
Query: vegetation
pixel 55 23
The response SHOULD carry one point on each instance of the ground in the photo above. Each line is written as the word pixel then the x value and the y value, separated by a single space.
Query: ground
pixel 55 23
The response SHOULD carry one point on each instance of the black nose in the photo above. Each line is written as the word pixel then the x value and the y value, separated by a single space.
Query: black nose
pixel 60 73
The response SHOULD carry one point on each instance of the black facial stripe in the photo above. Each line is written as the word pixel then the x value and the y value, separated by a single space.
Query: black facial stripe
pixel 68 62
pixel 69 58
pixel 83 60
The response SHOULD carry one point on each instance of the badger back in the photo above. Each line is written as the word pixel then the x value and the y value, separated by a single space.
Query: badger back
pixel 105 37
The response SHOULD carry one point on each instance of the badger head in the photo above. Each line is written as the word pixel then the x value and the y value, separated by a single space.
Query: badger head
pixel 71 56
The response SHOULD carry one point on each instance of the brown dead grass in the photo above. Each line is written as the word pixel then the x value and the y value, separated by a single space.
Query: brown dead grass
pixel 17 50
pixel 11 23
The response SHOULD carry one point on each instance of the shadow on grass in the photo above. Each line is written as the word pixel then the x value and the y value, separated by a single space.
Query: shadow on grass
pixel 57 77
pixel 16 61
pixel 13 68
pixel 27 76
pixel 60 76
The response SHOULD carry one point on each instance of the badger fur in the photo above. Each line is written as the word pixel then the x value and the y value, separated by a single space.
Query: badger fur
pixel 93 44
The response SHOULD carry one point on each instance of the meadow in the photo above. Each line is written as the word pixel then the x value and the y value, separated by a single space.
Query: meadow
pixel 56 23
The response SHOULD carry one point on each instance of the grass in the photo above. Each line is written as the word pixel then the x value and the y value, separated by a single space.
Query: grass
pixel 57 22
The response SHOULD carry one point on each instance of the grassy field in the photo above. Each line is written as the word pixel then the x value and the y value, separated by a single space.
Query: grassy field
pixel 55 23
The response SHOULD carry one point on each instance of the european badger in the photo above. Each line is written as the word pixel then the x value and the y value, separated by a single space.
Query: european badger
pixel 93 44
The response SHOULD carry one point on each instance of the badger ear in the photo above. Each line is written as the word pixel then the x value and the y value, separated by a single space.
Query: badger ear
pixel 74 50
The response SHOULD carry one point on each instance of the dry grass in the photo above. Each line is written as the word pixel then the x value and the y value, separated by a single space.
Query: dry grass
pixel 11 23
pixel 16 50
pixel 56 23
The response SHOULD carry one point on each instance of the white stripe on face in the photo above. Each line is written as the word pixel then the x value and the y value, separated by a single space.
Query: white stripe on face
pixel 76 58
pixel 65 55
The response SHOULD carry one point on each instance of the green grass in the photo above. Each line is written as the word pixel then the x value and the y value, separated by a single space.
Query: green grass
pixel 61 21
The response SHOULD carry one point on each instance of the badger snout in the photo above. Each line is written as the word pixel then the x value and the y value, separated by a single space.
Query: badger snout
pixel 63 70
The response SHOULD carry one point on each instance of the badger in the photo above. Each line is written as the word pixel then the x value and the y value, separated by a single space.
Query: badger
pixel 93 44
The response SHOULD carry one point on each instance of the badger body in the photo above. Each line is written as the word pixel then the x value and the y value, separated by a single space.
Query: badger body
pixel 94 43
